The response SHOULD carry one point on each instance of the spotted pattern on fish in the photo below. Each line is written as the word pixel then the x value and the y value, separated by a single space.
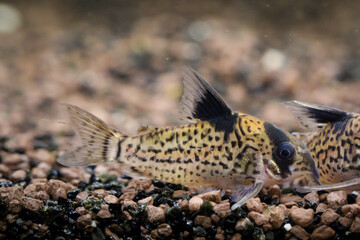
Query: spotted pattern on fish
pixel 334 145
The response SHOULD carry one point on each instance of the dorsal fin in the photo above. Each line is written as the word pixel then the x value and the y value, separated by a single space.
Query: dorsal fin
pixel 200 100
pixel 313 116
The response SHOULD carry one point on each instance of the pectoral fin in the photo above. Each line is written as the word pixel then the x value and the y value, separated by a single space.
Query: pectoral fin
pixel 243 193
pixel 344 184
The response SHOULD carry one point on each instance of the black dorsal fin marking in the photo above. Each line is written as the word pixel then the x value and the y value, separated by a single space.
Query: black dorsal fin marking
pixel 201 102
pixel 314 116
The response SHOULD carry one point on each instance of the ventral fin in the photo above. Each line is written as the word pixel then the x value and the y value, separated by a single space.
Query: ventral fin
pixel 314 116
pixel 243 193
pixel 345 184
pixel 200 100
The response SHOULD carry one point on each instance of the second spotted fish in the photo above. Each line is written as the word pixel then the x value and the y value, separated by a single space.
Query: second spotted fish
pixel 334 142
pixel 218 149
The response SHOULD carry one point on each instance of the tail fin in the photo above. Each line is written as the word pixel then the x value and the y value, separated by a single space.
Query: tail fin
pixel 100 143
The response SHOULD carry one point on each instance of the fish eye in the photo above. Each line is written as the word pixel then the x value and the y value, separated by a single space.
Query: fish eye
pixel 285 151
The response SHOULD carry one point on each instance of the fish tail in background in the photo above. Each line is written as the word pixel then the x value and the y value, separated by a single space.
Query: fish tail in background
pixel 99 143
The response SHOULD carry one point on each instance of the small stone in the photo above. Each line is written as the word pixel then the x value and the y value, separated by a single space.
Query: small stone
pixel 337 199
pixel 148 201
pixel 285 198
pixel 15 206
pixel 219 236
pixel 277 217
pixel 357 200
pixel 59 193
pixel 274 191
pixel 329 216
pixel 18 175
pixel 353 209
pixel 213 196
pixel 287 226
pixel 127 215
pixel 290 204
pixel 110 199
pixel 104 212
pixel 223 209
pixel 322 233
pixel 300 232
pixel 321 207
pixel 267 227
pixel 81 210
pixel 31 203
pixel 38 173
pixel 323 197
pixel 312 197
pixel 11 218
pixel 53 185
pixel 129 203
pixel 244 224
pixel 13 159
pixel 355 226
pixel 195 203
pixel 100 193
pixel 254 204
pixel 4 169
pixel 203 221
pixel 215 218
pixel 127 196
pixel 42 155
pixel 345 222
pixel 236 236
pixel 164 229
pixel 301 216
pixel 258 218
pixel 155 214
pixel 184 205
pixel 84 220
pixel 81 196
pixel 179 193
pixel 154 234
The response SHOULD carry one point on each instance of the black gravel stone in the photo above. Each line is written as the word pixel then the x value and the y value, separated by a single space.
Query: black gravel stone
pixel 94 179
pixel 6 184
pixel 266 199
pixel 72 194
pixel 351 198
pixel 275 201
pixel 54 174
pixel 46 141
pixel 317 217
pixel 158 183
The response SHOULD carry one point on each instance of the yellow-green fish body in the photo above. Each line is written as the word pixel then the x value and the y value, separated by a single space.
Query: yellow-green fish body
pixel 334 143
pixel 221 148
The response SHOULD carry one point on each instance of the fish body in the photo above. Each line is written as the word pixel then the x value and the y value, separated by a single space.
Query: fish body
pixel 334 143
pixel 218 149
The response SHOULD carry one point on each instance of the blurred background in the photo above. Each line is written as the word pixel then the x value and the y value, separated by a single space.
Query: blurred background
pixel 121 60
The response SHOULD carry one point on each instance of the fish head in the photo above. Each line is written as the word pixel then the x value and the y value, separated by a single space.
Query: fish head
pixel 289 158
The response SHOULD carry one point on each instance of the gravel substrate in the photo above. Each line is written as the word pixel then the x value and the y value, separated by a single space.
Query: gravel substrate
pixel 41 200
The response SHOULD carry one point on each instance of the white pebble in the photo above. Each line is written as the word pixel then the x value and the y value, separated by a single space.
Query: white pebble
pixel 287 227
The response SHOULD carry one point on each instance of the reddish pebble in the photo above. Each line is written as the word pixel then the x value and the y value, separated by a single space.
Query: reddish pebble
pixel 258 218
pixel 195 203
pixel 111 199
pixel 81 196
pixel 18 175
pixel 277 217
pixel 302 217
pixel 337 199
pixel 155 214
pixel 213 196
pixel 300 232
pixel 312 197
pixel 355 226
pixel 329 216
pixel 254 204
pixel 104 212
pixel 322 233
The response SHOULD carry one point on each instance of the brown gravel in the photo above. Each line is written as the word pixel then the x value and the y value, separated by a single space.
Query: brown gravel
pixel 195 203
pixel 355 226
pixel 104 212
pixel 203 221
pixel 337 199
pixel 277 217
pixel 302 217
pixel 212 196
pixel 329 216
pixel 223 209
pixel 164 229
pixel 243 224
pixel 155 214
pixel 258 218
pixel 322 233
pixel 300 232
pixel 254 204
pixel 312 197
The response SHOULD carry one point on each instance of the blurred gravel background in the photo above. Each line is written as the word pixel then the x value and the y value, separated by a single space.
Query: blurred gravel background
pixel 121 61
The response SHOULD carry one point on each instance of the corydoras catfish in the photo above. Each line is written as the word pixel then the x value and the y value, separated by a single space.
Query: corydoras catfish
pixel 218 149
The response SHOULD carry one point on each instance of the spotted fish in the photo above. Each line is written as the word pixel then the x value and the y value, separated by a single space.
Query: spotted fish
pixel 219 148
pixel 334 143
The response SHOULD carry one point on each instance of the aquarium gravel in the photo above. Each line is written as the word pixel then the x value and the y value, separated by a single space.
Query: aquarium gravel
pixel 42 200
